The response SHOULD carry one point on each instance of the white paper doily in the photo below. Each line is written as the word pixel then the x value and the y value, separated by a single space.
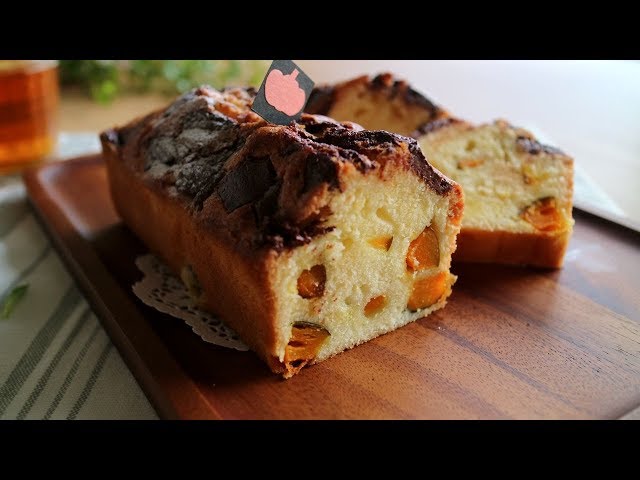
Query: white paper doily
pixel 165 292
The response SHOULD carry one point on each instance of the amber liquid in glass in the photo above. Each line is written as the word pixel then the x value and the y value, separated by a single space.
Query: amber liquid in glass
pixel 29 94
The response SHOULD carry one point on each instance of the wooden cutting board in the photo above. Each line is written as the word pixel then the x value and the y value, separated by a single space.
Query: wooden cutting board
pixel 511 343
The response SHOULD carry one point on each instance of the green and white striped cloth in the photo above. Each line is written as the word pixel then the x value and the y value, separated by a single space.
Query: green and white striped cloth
pixel 56 361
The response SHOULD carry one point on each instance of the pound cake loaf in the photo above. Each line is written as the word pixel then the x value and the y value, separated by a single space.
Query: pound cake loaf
pixel 518 192
pixel 306 239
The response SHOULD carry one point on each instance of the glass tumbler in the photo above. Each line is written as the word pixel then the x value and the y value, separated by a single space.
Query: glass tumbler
pixel 29 94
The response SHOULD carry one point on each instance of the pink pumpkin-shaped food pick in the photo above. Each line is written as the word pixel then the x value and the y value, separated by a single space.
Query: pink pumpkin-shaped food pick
pixel 283 93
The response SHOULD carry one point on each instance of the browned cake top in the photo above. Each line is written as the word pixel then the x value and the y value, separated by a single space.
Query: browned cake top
pixel 386 85
pixel 263 184
pixel 322 97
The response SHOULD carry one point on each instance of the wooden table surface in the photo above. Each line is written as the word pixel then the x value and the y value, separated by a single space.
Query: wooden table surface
pixel 511 343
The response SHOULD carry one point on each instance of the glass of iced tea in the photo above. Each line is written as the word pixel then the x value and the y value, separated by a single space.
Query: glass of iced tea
pixel 29 94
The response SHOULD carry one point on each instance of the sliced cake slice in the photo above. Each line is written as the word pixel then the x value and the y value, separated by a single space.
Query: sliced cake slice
pixel 518 192
pixel 306 239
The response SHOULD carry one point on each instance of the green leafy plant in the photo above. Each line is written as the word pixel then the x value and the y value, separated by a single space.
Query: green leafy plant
pixel 104 80
pixel 12 299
